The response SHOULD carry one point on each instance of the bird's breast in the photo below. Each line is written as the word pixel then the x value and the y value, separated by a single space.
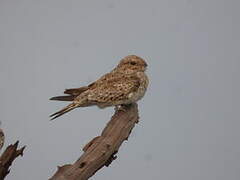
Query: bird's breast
pixel 140 92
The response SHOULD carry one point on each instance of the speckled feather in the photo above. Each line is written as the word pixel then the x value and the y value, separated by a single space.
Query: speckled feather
pixel 2 138
pixel 125 84
pixel 113 88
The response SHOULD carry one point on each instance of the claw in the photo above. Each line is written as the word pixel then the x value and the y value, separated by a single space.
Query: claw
pixel 122 107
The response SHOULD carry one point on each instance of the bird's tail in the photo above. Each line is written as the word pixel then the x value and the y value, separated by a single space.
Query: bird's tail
pixel 64 110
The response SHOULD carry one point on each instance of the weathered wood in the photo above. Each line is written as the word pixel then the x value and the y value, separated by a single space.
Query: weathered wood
pixel 101 150
pixel 8 156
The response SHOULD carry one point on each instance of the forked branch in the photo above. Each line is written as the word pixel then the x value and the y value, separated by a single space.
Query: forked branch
pixel 8 156
pixel 101 150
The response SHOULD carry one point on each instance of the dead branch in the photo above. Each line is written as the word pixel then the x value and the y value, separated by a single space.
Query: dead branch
pixel 8 156
pixel 101 150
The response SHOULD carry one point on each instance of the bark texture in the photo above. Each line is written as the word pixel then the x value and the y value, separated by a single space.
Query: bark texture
pixel 8 156
pixel 101 150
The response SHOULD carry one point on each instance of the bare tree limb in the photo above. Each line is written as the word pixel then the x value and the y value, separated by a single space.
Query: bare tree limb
pixel 8 156
pixel 101 150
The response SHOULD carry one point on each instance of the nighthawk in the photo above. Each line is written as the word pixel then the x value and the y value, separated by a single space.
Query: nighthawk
pixel 125 84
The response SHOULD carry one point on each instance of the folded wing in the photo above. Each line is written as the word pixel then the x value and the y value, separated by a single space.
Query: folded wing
pixel 112 89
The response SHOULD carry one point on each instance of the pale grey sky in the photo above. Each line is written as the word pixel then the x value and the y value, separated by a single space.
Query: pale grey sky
pixel 189 118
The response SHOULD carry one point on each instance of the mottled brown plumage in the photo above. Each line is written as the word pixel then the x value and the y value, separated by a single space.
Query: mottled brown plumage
pixel 2 138
pixel 125 84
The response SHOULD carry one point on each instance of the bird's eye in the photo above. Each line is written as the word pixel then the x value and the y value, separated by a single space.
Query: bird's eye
pixel 133 63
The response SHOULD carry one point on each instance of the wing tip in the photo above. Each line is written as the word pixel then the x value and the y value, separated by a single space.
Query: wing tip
pixel 63 98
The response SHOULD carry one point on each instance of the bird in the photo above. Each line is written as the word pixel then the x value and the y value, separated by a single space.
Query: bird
pixel 124 85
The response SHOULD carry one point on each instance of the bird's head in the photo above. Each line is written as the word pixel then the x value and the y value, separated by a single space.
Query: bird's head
pixel 132 64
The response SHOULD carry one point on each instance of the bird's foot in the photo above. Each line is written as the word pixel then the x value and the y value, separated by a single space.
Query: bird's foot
pixel 122 107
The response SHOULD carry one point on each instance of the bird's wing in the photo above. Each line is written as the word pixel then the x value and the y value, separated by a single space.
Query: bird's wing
pixel 72 93
pixel 76 91
pixel 113 87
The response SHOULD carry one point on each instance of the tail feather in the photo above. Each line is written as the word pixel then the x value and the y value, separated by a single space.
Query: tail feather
pixel 63 98
pixel 63 111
